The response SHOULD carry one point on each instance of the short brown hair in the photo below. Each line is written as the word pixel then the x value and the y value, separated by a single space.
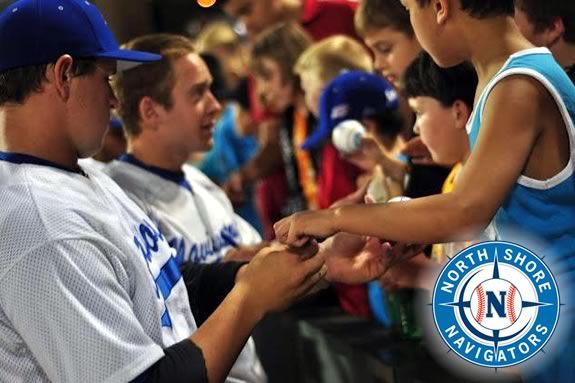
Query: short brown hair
pixel 155 80
pixel 329 57
pixel 283 44
pixel 17 84
pixel 542 14
pixel 216 34
pixel 379 14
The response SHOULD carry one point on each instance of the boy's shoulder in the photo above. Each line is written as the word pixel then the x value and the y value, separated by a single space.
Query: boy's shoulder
pixel 530 68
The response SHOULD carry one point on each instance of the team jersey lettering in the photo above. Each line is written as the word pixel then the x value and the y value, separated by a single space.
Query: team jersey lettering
pixel 229 236
pixel 148 241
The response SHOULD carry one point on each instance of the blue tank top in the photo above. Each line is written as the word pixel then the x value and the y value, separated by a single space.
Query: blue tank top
pixel 542 208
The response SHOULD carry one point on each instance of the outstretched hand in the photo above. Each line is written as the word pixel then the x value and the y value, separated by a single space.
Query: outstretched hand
pixel 354 259
pixel 297 229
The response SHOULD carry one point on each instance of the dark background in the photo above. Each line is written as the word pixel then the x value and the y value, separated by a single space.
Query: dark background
pixel 131 18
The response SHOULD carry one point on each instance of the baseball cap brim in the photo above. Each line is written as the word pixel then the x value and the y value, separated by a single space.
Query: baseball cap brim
pixel 321 133
pixel 128 59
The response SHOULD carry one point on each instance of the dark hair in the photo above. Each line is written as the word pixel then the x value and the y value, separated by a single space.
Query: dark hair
pixel 155 80
pixel 542 13
pixel 389 123
pixel 241 94
pixel 377 14
pixel 19 83
pixel 447 85
pixel 283 44
pixel 484 8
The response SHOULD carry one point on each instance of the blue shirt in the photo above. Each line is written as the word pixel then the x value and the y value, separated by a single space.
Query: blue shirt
pixel 542 209
pixel 228 154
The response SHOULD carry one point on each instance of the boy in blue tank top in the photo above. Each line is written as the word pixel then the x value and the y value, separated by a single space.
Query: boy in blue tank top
pixel 519 177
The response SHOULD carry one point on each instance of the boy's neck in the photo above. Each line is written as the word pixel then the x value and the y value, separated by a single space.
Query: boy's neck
pixel 158 156
pixel 491 42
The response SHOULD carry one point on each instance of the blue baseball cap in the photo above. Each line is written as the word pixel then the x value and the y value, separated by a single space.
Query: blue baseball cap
pixel 34 32
pixel 352 95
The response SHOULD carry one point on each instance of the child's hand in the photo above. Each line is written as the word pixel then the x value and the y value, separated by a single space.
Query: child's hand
pixel 419 153
pixel 298 228
pixel 354 198
pixel 369 155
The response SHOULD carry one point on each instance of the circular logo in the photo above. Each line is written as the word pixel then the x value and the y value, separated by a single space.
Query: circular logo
pixel 496 304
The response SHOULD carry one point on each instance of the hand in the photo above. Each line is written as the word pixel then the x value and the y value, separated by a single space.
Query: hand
pixel 401 252
pixel 369 155
pixel 244 253
pixel 234 188
pixel 419 153
pixel 417 272
pixel 298 228
pixel 353 259
pixel 402 276
pixel 279 275
pixel 354 198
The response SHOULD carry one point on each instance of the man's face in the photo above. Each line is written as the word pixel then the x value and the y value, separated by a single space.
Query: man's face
pixel 188 124
pixel 89 105
pixel 393 51
pixel 275 92
pixel 256 15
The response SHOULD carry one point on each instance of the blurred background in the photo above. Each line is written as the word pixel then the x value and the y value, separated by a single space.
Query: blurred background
pixel 131 18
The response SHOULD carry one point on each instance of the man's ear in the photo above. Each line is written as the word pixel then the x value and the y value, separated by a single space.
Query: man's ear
pixel 442 10
pixel 461 113
pixel 554 32
pixel 61 74
pixel 150 113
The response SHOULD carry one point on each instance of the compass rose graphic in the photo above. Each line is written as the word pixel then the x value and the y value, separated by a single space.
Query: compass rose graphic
pixel 496 304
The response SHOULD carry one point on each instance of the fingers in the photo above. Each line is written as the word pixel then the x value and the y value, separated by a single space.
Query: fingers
pixel 281 229
pixel 313 265
pixel 321 285
pixel 307 249
pixel 315 281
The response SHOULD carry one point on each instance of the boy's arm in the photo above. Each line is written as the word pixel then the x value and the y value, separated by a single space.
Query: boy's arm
pixel 511 121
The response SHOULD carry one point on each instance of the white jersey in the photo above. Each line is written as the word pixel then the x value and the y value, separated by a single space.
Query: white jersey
pixel 197 219
pixel 90 290
pixel 92 164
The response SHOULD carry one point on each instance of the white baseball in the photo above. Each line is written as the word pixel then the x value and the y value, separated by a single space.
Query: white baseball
pixel 488 316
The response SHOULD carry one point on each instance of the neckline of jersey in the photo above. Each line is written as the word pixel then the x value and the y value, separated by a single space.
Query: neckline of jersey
pixel 27 159
pixel 177 177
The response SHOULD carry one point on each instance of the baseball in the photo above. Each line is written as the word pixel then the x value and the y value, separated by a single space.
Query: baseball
pixel 496 304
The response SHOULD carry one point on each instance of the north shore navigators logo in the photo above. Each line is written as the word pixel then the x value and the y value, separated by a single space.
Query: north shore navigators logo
pixel 496 304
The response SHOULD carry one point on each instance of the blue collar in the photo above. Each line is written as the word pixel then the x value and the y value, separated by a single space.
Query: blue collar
pixel 19 159
pixel 169 175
